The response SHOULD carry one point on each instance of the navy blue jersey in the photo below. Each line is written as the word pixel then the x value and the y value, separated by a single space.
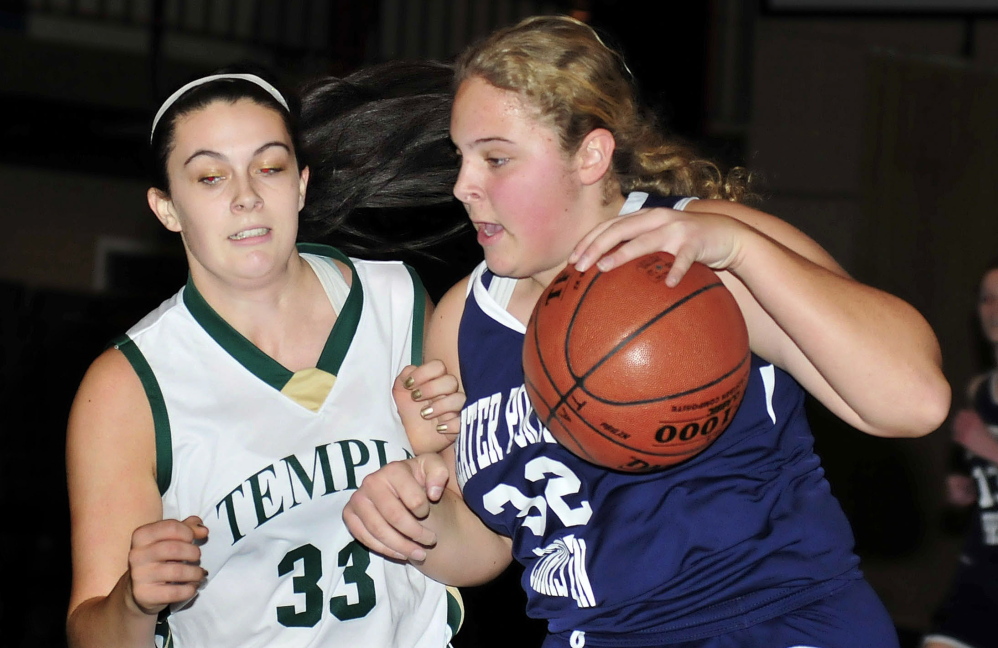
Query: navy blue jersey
pixel 746 531
pixel 982 537
pixel 967 613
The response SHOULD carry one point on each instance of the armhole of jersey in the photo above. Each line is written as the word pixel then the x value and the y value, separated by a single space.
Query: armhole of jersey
pixel 682 203
pixel 640 199
pixel 418 316
pixel 160 418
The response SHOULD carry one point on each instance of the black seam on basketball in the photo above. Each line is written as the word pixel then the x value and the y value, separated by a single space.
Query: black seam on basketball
pixel 545 420
pixel 553 415
pixel 668 397
pixel 580 448
pixel 641 329
pixel 578 385
pixel 580 380
pixel 678 450
pixel 616 441
pixel 543 364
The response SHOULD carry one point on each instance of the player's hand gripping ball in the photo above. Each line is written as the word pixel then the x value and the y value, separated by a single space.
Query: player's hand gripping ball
pixel 630 374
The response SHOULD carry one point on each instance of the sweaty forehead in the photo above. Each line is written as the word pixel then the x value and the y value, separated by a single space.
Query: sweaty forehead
pixel 483 111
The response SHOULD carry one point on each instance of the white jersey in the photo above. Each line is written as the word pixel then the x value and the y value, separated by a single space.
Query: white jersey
pixel 268 458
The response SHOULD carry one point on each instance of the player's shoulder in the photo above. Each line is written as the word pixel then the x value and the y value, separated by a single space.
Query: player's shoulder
pixel 453 300
pixel 375 269
pixel 108 403
pixel 442 332
pixel 449 310
pixel 109 370
pixel 109 385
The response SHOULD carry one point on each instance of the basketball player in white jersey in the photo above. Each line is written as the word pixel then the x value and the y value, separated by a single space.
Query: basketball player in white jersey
pixel 210 451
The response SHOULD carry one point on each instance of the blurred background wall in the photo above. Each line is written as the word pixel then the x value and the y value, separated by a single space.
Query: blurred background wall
pixel 871 130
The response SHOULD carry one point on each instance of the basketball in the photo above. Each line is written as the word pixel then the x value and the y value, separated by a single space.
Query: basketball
pixel 631 374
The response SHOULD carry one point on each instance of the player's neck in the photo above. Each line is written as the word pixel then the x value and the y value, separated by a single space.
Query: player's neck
pixel 528 290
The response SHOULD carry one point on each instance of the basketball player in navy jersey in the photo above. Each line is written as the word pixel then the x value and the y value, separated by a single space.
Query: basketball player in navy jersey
pixel 742 545
pixel 965 618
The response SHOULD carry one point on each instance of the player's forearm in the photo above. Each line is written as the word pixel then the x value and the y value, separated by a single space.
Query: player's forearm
pixel 872 350
pixel 466 552
pixel 109 622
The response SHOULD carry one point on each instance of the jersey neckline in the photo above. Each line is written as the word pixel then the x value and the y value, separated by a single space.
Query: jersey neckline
pixel 257 361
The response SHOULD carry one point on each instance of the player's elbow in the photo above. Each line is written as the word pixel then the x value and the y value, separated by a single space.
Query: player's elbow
pixel 478 561
pixel 933 406
pixel 923 412
pixel 480 575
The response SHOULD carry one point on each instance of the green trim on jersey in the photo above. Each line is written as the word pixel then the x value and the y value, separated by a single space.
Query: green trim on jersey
pixel 163 632
pixel 418 316
pixel 160 417
pixel 455 610
pixel 259 363
pixel 348 319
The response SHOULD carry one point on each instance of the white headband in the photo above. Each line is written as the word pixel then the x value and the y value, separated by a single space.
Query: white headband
pixel 252 78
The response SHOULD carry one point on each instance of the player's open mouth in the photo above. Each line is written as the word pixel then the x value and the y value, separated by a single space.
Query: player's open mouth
pixel 250 233
pixel 491 229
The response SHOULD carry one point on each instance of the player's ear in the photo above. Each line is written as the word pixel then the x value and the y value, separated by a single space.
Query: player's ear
pixel 302 186
pixel 162 206
pixel 595 155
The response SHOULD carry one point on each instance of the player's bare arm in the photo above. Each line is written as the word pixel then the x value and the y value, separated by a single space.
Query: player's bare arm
pixel 119 581
pixel 412 510
pixel 429 398
pixel 868 356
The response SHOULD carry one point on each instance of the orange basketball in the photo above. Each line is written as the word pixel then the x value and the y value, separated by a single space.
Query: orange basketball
pixel 630 374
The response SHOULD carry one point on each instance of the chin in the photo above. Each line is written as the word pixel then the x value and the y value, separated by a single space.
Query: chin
pixel 499 271
pixel 500 267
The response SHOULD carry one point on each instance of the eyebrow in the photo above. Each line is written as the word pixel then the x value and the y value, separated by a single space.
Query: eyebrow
pixel 218 156
pixel 483 140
